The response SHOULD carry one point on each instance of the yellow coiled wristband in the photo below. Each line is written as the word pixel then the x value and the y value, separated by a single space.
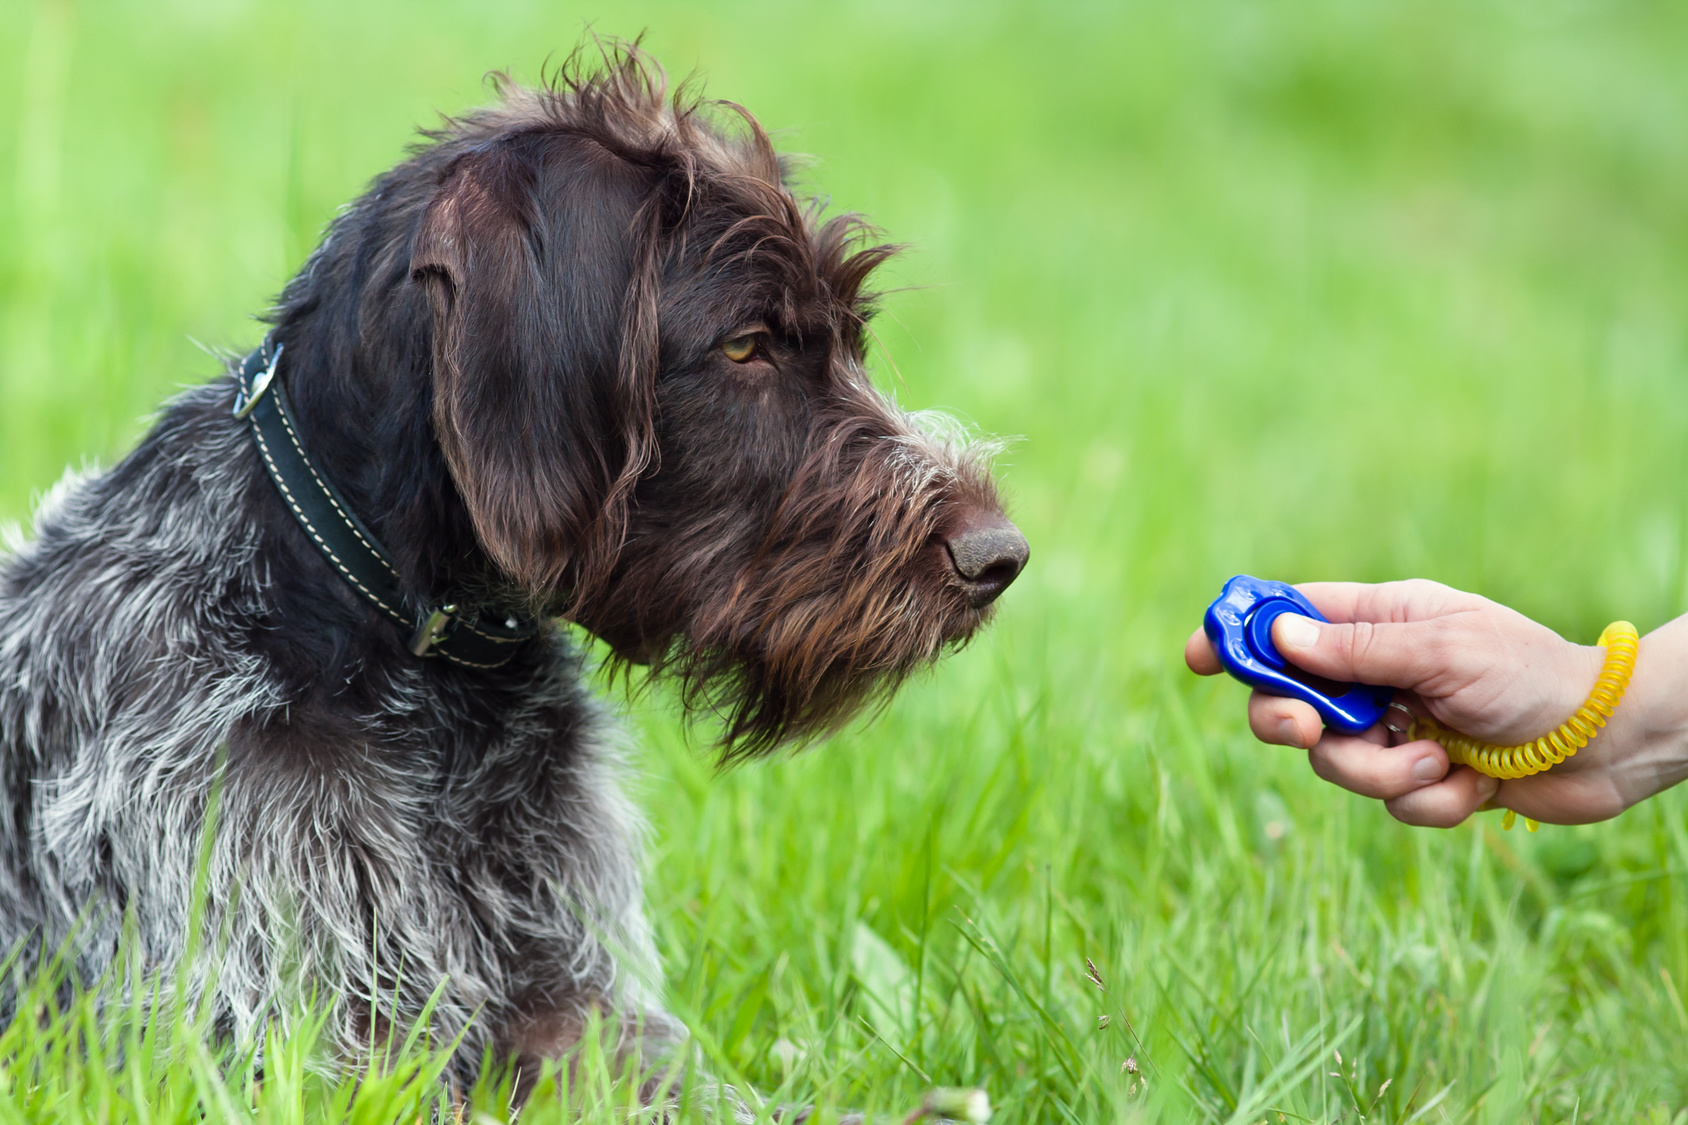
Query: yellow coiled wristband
pixel 1621 643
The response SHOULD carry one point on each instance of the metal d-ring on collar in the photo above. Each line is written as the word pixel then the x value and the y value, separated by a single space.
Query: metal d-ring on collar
pixel 474 638
pixel 246 400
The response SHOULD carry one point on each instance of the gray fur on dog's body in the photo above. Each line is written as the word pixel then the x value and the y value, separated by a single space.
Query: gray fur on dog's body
pixel 123 686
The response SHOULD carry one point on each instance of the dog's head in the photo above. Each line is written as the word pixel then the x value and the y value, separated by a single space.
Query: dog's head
pixel 648 381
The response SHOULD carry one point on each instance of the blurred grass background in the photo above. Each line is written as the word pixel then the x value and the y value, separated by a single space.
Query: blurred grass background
pixel 1319 289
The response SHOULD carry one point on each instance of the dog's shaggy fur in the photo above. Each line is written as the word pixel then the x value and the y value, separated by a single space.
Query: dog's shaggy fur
pixel 508 355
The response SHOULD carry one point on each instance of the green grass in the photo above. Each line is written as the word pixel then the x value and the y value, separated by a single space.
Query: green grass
pixel 1302 289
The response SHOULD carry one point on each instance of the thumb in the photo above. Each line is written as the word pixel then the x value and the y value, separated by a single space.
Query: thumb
pixel 1387 654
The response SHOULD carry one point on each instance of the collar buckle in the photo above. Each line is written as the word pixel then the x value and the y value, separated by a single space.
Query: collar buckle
pixel 432 627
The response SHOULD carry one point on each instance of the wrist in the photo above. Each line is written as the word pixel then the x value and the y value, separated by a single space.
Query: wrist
pixel 1646 739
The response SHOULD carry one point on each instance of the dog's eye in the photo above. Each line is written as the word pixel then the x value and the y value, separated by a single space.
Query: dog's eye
pixel 740 349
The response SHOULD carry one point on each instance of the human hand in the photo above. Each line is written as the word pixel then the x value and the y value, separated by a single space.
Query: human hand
pixel 1483 670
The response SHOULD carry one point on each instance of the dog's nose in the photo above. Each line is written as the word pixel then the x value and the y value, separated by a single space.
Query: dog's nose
pixel 987 557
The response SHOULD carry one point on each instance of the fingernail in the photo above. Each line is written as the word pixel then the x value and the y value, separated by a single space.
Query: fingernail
pixel 1290 732
pixel 1428 768
pixel 1487 786
pixel 1296 631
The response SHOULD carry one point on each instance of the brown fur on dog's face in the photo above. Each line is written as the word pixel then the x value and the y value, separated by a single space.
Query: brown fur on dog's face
pixel 649 385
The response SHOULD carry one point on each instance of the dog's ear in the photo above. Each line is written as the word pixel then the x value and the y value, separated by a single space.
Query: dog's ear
pixel 540 265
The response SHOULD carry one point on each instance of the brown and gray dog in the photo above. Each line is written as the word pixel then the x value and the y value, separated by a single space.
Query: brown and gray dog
pixel 583 357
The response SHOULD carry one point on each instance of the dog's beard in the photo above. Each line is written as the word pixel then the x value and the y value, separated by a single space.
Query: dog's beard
pixel 783 633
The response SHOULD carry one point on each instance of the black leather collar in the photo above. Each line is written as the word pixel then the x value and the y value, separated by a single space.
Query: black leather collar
pixel 474 637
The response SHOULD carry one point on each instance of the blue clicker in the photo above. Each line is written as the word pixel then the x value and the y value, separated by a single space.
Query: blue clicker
pixel 1239 624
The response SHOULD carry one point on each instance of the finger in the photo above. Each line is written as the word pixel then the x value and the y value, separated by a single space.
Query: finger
pixel 1385 772
pixel 1199 655
pixel 1393 654
pixel 1415 599
pixel 1446 803
pixel 1283 722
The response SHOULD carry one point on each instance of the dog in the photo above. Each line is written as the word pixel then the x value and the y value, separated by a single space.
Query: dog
pixel 582 357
